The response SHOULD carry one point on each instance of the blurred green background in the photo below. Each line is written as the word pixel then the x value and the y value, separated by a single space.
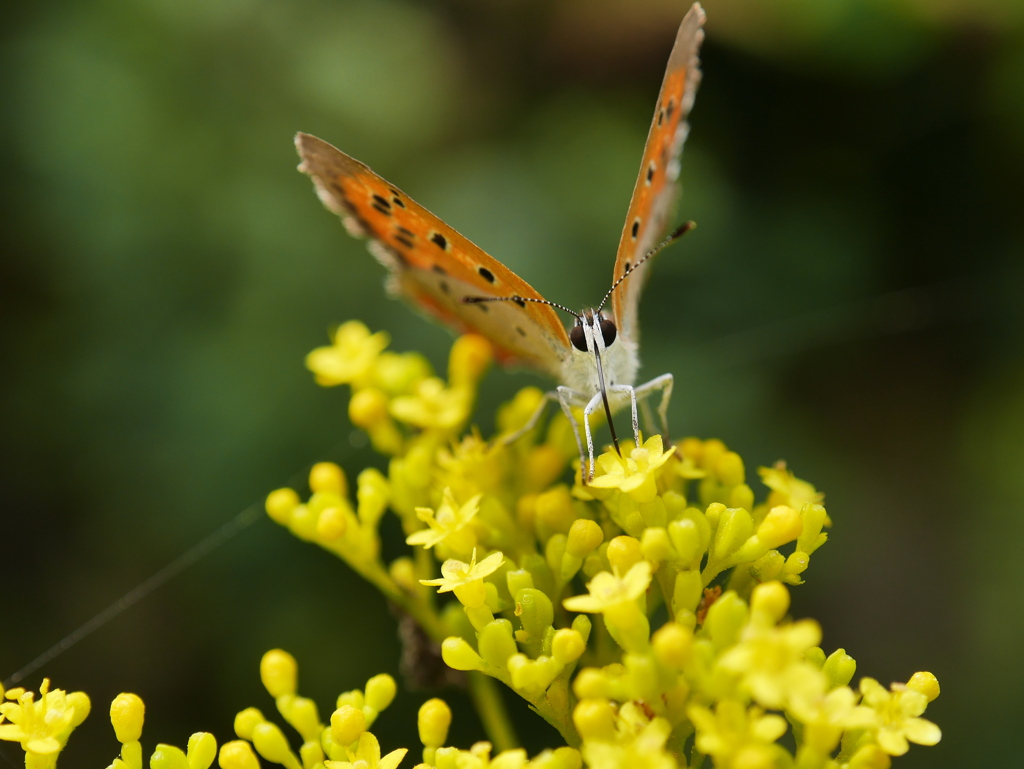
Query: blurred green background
pixel 851 302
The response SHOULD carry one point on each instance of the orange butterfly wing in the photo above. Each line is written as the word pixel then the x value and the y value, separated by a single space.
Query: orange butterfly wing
pixel 433 265
pixel 655 191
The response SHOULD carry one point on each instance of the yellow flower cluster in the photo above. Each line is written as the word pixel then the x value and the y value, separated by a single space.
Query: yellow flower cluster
pixel 645 615
pixel 679 648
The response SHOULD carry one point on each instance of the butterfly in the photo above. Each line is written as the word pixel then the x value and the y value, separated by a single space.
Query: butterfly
pixel 437 269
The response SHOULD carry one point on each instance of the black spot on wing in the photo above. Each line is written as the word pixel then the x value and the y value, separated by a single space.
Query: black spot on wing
pixel 439 240
pixel 445 288
pixel 650 171
pixel 636 227
pixel 382 201
pixel 519 300
pixel 520 331
pixel 486 274
pixel 404 240
pixel 439 269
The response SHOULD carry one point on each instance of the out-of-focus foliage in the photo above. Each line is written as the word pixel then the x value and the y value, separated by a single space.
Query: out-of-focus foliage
pixel 854 286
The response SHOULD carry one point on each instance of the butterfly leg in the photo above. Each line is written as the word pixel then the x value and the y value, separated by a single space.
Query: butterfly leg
pixel 532 421
pixel 567 398
pixel 595 403
pixel 663 383
pixel 632 402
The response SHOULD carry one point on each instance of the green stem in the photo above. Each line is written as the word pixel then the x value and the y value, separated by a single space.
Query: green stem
pixel 491 708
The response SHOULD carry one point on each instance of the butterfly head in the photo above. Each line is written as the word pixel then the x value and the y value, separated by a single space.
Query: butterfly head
pixel 594 332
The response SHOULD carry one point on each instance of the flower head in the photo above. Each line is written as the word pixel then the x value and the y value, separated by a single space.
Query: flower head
pixel 42 726
pixel 898 711
pixel 448 524
pixel 350 358
pixel 635 474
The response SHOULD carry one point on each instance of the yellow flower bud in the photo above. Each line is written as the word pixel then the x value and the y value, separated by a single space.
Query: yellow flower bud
pixel 237 754
pixel 590 683
pixel 672 644
pixel 725 619
pixel 302 714
pixel 127 712
pixel 280 504
pixel 729 469
pixel 926 683
pixel 331 524
pixel 168 757
pixel 656 545
pixel 584 537
pixel 555 509
pixel 594 719
pixel 770 599
pixel 469 358
pixel 688 591
pixel 782 524
pixel 433 722
pixel 271 744
pixel 380 691
pixel 459 655
pixel 735 526
pixel 78 702
pixel 567 646
pixel 246 721
pixel 711 452
pixel 543 465
pixel 741 496
pixel 496 643
pixel 347 724
pixel 839 668
pixel 368 408
pixel 624 552
pixel 279 672
pixel 692 449
pixel 327 476
pixel 201 751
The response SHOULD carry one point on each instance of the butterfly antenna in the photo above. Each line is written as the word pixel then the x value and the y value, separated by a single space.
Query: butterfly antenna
pixel 677 233
pixel 519 300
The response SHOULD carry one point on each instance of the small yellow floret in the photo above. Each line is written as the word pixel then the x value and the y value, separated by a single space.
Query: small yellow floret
pixel 237 754
pixel 672 644
pixel 246 721
pixel 624 553
pixel 380 692
pixel 279 672
pixel 469 358
pixel 926 683
pixel 584 537
pixel 594 719
pixel 347 724
pixel 281 503
pixel 368 408
pixel 327 476
pixel 201 750
pixel 567 646
pixel 271 744
pixel 433 722
pixel 770 599
pixel 127 713
pixel 350 358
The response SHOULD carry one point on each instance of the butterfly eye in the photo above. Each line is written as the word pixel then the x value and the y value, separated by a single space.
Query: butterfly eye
pixel 578 338
pixel 608 331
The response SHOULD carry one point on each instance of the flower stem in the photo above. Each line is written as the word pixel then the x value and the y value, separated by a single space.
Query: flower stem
pixel 492 711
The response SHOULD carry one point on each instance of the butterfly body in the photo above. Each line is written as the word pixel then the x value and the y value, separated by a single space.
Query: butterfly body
pixel 446 275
